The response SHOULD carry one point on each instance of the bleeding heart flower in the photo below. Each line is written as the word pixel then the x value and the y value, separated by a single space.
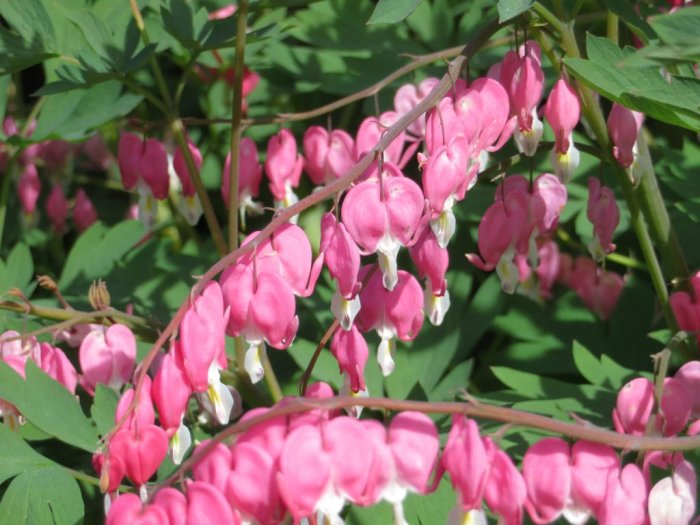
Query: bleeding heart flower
pixel 55 363
pixel 382 216
pixel 107 357
pixel 562 111
pixel 327 156
pixel 304 477
pixel 250 173
pixel 672 499
pixel 604 214
pixel 283 167
pixel 625 495
pixel 396 313
pixel 28 189
pixel 127 509
pixel 171 392
pixel 57 208
pixel 263 309
pixel 432 261
pixel 547 475
pixel 141 449
pixel 342 258
pixel 370 133
pixel 84 212
pixel 252 485
pixel 351 351
pixel 414 444
pixel 467 461
pixel 624 126
pixel 522 77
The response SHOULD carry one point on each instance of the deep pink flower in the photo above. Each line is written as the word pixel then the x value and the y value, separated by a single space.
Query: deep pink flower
pixel 55 363
pixel 396 313
pixel 467 461
pixel 623 127
pixel 28 189
pixel 409 96
pixel 127 509
pixel 547 475
pixel 351 351
pixel 370 133
pixel 84 212
pixel 57 208
pixel 432 261
pixel 141 449
pixel 107 356
pixel 250 173
pixel 604 214
pixel 327 156
pixel 382 217
pixel 283 167
pixel 342 258
pixel 625 495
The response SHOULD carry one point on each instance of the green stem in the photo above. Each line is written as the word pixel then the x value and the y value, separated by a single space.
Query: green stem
pixel 271 381
pixel 137 88
pixel 662 231
pixel 237 115
pixel 92 480
pixel 68 318
pixel 5 195
pixel 613 27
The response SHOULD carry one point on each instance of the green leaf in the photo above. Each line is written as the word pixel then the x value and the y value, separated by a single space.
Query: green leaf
pixel 16 456
pixel 508 9
pixel 628 14
pixel 16 55
pixel 48 405
pixel 48 496
pixel 392 11
pixel 4 85
pixel 588 364
pixel 30 19
pixel 104 408
pixel 79 256
pixel 98 249
pixel 73 115
pixel 18 270
pixel 641 89
pixel 680 27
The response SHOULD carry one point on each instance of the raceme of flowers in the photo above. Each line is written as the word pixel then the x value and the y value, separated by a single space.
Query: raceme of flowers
pixel 308 466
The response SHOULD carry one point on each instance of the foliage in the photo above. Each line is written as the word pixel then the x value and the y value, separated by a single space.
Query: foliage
pixel 71 70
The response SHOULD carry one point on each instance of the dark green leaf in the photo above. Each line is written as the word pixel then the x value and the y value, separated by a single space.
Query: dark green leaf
pixel 18 270
pixel 80 254
pixel 16 55
pixel 75 114
pixel 4 85
pixel 392 11
pixel 104 407
pixel 628 14
pixel 30 19
pixel 588 364
pixel 48 405
pixel 48 496
pixel 679 28
pixel 16 456
pixel 641 89
pixel 508 9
